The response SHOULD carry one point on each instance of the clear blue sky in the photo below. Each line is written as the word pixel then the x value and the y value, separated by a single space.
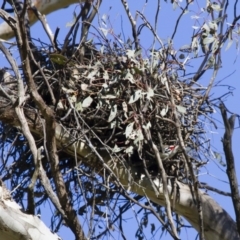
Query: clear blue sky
pixel 213 173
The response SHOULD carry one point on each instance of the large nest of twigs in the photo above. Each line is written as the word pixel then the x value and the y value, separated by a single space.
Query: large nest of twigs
pixel 127 102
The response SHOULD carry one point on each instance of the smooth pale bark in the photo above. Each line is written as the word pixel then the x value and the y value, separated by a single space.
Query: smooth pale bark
pixel 44 7
pixel 16 225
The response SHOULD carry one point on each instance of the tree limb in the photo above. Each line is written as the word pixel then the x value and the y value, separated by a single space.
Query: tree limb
pixel 231 171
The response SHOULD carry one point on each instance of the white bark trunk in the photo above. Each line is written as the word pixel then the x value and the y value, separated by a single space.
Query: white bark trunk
pixel 16 225
pixel 44 7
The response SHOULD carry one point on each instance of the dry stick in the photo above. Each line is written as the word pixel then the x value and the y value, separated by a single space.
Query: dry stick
pixel 205 186
pixel 46 27
pixel 235 8
pixel 133 23
pixel 66 40
pixel 12 62
pixel 86 23
pixel 149 177
pixel 21 99
pixel 40 172
pixel 164 181
pixel 150 208
pixel 24 127
pixel 151 28
pixel 122 210
pixel 155 30
pixel 48 114
pixel 45 79
pixel 189 167
pixel 179 18
pixel 231 171
pixel 31 141
pixel 210 85
pixel 91 146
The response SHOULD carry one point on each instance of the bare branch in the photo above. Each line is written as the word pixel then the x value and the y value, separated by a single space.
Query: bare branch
pixel 231 171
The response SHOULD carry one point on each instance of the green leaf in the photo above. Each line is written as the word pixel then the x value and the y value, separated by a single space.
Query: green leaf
pixel 216 7
pixel 116 149
pixel 105 75
pixel 129 129
pixel 70 24
pixel 73 98
pixel 230 42
pixel 185 48
pixel 164 111
pixel 129 77
pixel 129 150
pixel 213 26
pixel 113 113
pixel 208 40
pixel 181 109
pixel 152 228
pixel 165 82
pixel 218 157
pixel 139 136
pixel 78 107
pixel 210 63
pixel 130 53
pixel 150 93
pixel 87 102
pixel 148 126
pixel 104 31
pixel 135 96
pixel 206 28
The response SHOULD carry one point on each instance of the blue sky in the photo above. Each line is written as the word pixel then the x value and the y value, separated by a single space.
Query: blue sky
pixel 213 173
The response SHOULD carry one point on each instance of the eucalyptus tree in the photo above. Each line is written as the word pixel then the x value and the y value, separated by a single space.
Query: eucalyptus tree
pixel 95 126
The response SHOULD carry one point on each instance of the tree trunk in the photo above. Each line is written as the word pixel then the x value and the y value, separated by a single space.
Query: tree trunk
pixel 16 225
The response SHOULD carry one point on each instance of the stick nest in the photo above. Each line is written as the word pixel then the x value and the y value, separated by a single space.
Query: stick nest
pixel 125 102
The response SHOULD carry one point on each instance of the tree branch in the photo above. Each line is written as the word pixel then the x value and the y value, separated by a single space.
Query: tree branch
pixel 231 171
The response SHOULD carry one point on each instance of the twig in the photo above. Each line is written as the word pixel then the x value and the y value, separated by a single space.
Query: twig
pixel 178 20
pixel 231 171
pixel 151 28
pixel 164 181
pixel 213 189
pixel 133 23
pixel 189 167
pixel 49 116
pixel 46 27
